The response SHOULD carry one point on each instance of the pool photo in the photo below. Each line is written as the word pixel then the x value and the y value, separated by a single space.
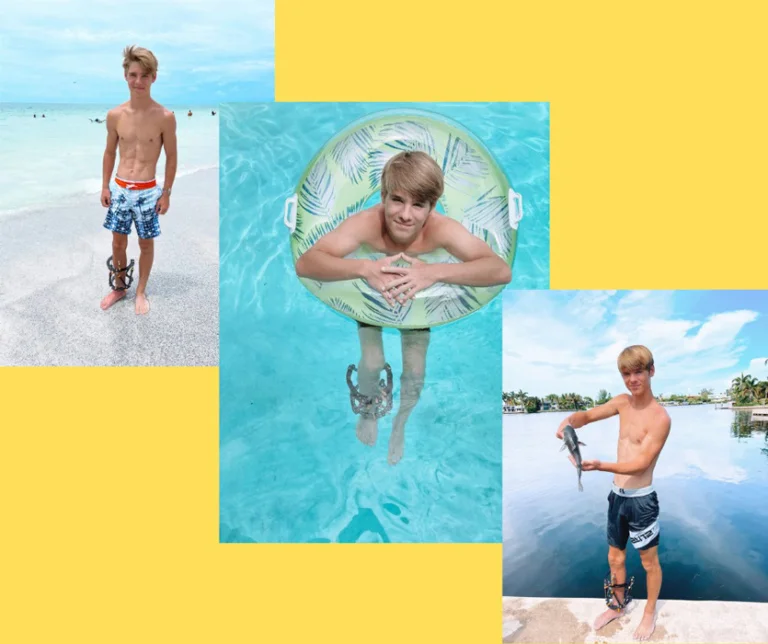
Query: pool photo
pixel 352 410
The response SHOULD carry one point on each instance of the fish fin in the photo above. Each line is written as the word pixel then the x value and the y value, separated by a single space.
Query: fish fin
pixel 562 448
pixel 584 444
pixel 581 487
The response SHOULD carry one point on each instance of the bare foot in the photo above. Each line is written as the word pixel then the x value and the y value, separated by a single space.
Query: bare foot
pixel 646 627
pixel 396 441
pixel 111 298
pixel 142 304
pixel 606 617
pixel 367 430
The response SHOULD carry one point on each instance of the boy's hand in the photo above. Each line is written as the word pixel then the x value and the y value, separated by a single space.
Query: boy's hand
pixel 562 427
pixel 410 279
pixel 106 197
pixel 377 278
pixel 163 203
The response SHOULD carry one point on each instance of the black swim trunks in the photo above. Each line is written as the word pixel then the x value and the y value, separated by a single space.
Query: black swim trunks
pixel 633 514
pixel 365 325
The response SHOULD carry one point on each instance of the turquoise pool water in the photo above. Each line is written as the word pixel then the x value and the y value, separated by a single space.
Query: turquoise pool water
pixel 291 467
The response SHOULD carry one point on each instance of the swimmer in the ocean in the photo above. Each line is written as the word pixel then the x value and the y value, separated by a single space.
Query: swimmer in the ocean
pixel 140 128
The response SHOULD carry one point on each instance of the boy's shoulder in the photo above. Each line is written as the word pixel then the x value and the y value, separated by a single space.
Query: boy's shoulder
pixel 117 110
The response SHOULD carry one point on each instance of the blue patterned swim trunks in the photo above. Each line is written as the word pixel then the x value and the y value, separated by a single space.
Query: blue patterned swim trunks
pixel 134 201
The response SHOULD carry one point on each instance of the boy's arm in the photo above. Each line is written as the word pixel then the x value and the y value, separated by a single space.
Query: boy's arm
pixel 110 152
pixel 479 266
pixel 171 157
pixel 601 412
pixel 326 261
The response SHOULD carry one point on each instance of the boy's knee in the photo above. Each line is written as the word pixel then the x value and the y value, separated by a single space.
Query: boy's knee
pixel 651 563
pixel 372 362
pixel 119 244
pixel 146 244
pixel 617 558
pixel 411 386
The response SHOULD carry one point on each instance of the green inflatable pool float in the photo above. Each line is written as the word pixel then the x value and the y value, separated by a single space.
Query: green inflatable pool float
pixel 346 173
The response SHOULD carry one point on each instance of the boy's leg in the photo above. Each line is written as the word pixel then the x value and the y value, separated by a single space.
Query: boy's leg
pixel 146 258
pixel 415 344
pixel 147 227
pixel 119 261
pixel 368 375
pixel 617 561
pixel 650 559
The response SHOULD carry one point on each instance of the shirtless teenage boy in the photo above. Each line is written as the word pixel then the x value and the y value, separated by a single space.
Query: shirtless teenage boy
pixel 404 225
pixel 633 506
pixel 140 128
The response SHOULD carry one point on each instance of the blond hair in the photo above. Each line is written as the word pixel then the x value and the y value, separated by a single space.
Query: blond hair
pixel 635 357
pixel 145 58
pixel 415 173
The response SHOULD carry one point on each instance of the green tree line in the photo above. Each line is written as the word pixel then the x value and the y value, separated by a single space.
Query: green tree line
pixel 745 390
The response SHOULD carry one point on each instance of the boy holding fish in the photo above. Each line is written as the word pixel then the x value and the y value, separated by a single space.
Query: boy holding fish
pixel 633 505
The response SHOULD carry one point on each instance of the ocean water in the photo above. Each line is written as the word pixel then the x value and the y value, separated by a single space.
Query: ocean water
pixel 291 467
pixel 57 159
pixel 712 483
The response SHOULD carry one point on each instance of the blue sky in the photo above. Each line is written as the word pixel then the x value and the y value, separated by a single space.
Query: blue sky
pixel 568 341
pixel 71 52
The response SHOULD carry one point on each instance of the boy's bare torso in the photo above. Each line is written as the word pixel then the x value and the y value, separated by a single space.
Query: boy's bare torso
pixel 376 236
pixel 140 140
pixel 634 425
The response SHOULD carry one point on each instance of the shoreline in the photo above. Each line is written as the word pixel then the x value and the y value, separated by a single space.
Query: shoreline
pixel 547 411
pixel 80 198
pixel 548 619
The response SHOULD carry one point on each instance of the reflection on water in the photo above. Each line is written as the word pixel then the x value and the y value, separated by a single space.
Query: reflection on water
pixel 712 481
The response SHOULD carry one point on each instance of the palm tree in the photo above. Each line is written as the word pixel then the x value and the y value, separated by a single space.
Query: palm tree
pixel 761 391
pixel 743 388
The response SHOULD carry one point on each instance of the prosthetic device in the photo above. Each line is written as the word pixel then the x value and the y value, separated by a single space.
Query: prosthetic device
pixel 127 276
pixel 371 406
pixel 610 595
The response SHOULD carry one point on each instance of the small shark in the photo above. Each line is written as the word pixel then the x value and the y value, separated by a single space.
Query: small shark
pixel 572 442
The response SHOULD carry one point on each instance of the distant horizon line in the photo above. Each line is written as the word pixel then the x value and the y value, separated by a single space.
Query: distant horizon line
pixel 33 103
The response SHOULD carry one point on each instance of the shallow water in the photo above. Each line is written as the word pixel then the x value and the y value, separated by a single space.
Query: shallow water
pixel 57 160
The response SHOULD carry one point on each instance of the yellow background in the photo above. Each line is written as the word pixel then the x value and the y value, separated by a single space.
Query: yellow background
pixel 110 476
pixel 658 116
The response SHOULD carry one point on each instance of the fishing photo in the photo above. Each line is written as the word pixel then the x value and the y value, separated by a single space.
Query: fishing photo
pixel 635 438
pixel 110 190
pixel 371 242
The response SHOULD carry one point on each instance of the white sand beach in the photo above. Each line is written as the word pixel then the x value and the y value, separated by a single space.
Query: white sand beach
pixel 533 619
pixel 53 275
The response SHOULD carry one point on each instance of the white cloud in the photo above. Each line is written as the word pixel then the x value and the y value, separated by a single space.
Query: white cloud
pixel 52 44
pixel 556 342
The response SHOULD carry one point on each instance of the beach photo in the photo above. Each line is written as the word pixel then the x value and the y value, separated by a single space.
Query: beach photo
pixel 364 248
pixel 635 458
pixel 109 240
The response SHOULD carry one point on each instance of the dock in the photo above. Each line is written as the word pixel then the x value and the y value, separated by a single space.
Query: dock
pixel 547 619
